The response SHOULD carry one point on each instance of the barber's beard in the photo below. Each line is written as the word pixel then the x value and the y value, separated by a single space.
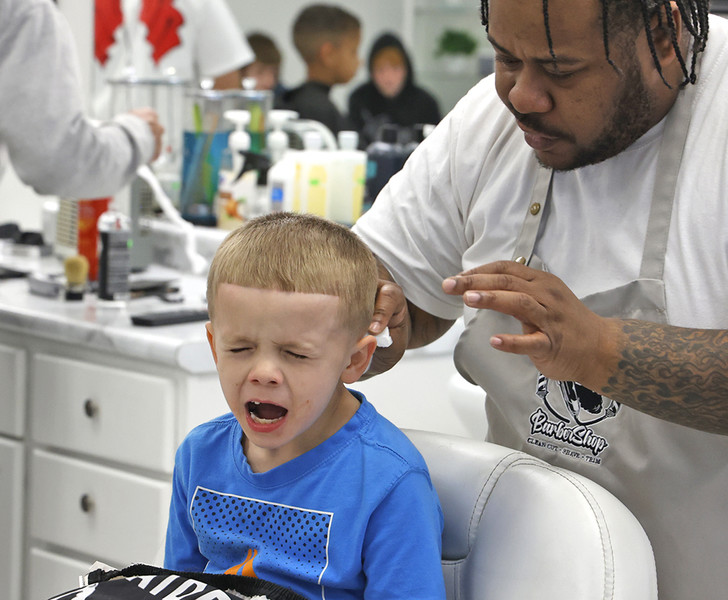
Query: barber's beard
pixel 631 119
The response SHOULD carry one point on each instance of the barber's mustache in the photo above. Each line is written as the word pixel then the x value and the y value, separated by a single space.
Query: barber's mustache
pixel 534 123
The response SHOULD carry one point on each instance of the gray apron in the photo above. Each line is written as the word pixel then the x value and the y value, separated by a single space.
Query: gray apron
pixel 674 479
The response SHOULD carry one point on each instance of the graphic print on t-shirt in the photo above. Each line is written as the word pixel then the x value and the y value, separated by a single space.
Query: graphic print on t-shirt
pixel 230 529
pixel 567 417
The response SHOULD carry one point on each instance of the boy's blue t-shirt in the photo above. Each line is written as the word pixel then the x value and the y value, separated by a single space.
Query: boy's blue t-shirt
pixel 355 517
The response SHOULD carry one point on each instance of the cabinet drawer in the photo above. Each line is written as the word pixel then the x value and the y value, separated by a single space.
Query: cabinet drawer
pixel 116 517
pixel 106 412
pixel 52 574
pixel 12 390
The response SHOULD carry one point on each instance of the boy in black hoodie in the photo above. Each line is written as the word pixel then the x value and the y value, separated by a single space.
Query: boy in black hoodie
pixel 391 95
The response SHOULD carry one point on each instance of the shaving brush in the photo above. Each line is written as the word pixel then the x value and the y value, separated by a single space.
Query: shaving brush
pixel 76 269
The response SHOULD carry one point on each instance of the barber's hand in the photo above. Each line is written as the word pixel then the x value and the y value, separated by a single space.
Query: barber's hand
pixel 390 310
pixel 561 336
pixel 150 116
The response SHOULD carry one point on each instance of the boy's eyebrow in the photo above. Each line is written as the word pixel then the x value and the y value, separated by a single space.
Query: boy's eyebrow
pixel 550 60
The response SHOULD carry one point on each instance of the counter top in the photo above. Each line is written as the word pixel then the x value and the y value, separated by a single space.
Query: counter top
pixel 98 325
pixel 107 326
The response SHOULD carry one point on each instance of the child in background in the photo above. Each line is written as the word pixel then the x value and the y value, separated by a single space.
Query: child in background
pixel 303 484
pixel 327 38
pixel 266 67
pixel 391 95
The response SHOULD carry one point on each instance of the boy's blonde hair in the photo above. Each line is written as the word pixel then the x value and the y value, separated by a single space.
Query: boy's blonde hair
pixel 320 23
pixel 299 253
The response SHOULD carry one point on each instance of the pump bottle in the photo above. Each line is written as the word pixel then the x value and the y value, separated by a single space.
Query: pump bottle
pixel 281 184
pixel 314 182
pixel 235 188
pixel 277 140
pixel 348 177
pixel 385 157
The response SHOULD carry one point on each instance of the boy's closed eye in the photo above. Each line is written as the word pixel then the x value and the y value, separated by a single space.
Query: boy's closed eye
pixel 240 349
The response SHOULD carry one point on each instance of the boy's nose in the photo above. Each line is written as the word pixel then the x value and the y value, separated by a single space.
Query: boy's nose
pixel 265 372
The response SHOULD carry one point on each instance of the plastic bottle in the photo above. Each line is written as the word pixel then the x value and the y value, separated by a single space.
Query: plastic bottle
pixel 114 255
pixel 235 188
pixel 384 158
pixel 348 178
pixel 282 179
pixel 277 141
pixel 420 132
pixel 314 183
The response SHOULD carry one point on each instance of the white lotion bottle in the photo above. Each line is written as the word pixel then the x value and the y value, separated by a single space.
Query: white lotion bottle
pixel 348 179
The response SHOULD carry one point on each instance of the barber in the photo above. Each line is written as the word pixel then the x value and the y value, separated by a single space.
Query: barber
pixel 573 209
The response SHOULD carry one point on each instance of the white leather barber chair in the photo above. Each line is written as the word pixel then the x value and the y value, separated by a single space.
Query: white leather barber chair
pixel 518 528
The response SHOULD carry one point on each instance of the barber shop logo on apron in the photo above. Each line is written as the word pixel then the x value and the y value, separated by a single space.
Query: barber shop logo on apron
pixel 567 415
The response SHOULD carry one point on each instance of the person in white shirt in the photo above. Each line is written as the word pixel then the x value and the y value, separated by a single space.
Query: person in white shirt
pixel 52 145
pixel 189 40
pixel 572 209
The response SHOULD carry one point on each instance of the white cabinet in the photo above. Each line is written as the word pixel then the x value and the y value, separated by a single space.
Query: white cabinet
pixel 87 443
pixel 12 423
pixel 11 518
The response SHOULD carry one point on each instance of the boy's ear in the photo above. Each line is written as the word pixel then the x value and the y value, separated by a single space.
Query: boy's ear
pixel 211 339
pixel 360 358
pixel 326 52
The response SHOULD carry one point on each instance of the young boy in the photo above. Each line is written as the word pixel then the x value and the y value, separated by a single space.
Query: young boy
pixel 304 484
pixel 266 67
pixel 327 38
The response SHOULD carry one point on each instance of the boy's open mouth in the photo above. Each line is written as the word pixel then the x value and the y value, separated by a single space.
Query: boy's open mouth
pixel 263 412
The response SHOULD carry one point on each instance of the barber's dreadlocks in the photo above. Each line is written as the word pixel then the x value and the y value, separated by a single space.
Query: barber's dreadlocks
pixel 694 15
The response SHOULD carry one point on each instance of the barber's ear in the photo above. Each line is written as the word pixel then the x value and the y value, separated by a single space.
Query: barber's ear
pixel 662 33
pixel 360 358
pixel 211 339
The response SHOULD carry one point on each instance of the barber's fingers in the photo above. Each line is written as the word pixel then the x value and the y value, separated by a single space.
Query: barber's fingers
pixel 535 344
pixel 522 306
pixel 499 275
pixel 390 307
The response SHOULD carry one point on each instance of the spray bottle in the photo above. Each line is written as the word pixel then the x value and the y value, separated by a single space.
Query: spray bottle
pixel 348 177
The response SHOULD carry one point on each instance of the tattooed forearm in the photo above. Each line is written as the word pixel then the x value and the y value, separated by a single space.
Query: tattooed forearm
pixel 673 373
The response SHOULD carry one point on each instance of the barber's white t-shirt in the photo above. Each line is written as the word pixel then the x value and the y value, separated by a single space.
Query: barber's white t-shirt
pixel 461 201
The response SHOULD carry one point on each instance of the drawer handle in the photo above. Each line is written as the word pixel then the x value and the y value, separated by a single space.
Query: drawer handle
pixel 91 408
pixel 87 503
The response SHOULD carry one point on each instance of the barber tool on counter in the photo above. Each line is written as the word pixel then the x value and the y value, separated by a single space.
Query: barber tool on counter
pixel 76 270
